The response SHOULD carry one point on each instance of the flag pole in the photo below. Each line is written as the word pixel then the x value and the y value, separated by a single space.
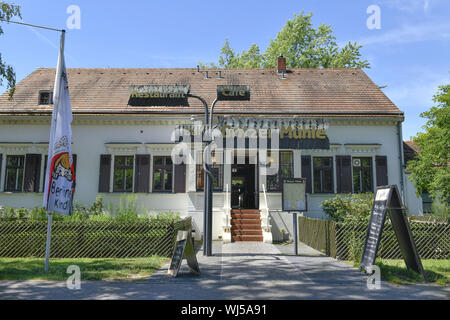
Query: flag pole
pixel 53 125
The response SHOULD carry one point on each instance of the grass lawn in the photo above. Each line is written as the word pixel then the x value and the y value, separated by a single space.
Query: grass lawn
pixel 91 269
pixel 393 270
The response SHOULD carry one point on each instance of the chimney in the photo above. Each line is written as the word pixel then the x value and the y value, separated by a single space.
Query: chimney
pixel 281 64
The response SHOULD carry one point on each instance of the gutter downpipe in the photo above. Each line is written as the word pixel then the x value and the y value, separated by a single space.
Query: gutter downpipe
pixel 401 160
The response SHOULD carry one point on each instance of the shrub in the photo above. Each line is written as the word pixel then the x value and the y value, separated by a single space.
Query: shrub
pixel 349 208
pixel 439 208
pixel 126 210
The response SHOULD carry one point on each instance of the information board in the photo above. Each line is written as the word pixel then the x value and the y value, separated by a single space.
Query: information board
pixel 387 199
pixel 294 195
pixel 184 249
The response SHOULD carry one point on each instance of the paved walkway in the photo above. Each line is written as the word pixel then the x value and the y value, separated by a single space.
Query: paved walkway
pixel 237 271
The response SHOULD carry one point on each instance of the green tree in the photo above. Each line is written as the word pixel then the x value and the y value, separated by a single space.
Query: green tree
pixel 430 171
pixel 303 46
pixel 8 11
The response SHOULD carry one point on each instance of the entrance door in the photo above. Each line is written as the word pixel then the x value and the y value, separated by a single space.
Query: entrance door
pixel 244 186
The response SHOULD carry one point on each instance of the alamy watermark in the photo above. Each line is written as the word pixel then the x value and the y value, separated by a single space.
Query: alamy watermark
pixel 374 20
pixel 74 20
pixel 374 279
pixel 74 280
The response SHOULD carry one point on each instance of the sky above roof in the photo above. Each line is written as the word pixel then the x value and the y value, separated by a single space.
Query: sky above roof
pixel 409 52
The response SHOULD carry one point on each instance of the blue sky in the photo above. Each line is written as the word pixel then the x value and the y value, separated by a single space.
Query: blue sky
pixel 410 53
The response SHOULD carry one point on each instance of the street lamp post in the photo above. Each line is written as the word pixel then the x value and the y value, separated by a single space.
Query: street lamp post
pixel 207 213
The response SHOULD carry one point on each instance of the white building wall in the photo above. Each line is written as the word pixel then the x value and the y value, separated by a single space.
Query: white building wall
pixel 89 142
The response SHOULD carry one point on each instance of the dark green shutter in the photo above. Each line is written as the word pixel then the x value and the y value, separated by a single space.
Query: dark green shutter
pixel 1 158
pixel 32 172
pixel 344 174
pixel 142 173
pixel 105 173
pixel 306 172
pixel 381 170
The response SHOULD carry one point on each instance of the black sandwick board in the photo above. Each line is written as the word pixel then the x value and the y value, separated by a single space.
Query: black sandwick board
pixel 387 199
pixel 184 249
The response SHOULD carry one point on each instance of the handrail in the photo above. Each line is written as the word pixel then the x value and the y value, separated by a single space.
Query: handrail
pixel 265 224
pixel 227 209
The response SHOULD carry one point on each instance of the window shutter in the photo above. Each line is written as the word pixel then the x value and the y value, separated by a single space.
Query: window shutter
pixel 1 158
pixel 105 172
pixel 180 178
pixel 381 170
pixel 32 172
pixel 142 173
pixel 306 172
pixel 344 174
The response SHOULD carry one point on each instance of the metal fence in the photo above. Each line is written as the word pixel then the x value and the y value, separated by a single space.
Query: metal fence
pixel 345 241
pixel 90 239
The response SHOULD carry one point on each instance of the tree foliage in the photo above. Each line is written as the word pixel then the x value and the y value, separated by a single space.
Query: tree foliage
pixel 303 46
pixel 8 11
pixel 430 171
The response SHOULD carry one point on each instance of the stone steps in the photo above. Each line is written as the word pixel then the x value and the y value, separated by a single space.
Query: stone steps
pixel 246 225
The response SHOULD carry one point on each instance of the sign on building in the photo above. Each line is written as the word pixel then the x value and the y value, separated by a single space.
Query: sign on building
pixel 159 95
pixel 233 92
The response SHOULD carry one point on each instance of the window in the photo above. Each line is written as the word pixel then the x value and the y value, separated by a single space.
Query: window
pixel 123 174
pixel 14 173
pixel 217 170
pixel 362 175
pixel 162 174
pixel 323 175
pixel 285 170
pixel 45 97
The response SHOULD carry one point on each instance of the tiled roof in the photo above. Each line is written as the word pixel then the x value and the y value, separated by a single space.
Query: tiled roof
pixel 410 150
pixel 304 91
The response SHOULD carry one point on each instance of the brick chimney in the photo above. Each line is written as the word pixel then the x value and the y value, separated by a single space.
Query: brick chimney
pixel 281 64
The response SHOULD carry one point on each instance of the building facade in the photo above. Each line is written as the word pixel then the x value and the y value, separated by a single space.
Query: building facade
pixel 337 129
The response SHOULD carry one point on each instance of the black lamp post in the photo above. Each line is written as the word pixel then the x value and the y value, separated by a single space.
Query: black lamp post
pixel 207 212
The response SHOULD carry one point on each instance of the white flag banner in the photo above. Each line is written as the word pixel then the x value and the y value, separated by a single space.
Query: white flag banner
pixel 60 175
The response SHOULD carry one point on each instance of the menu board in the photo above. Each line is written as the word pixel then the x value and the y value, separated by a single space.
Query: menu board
pixel 387 199
pixel 376 224
pixel 184 249
pixel 294 195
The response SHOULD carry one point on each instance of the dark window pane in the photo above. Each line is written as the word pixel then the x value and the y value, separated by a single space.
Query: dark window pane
pixel 10 179
pixel 323 174
pixel 157 182
pixel 366 162
pixel 129 161
pixel 158 161
pixel 14 173
pixel 328 181
pixel 118 180
pixel 129 180
pixel 367 181
pixel 118 161
pixel 168 181
pixel 357 180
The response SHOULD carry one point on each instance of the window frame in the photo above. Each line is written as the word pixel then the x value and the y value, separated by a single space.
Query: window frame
pixel 163 167
pixel 50 96
pixel 279 176
pixel 16 174
pixel 200 173
pixel 322 169
pixel 124 167
pixel 363 171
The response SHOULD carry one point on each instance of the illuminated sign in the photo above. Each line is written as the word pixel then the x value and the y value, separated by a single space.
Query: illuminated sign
pixel 233 92
pixel 159 95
